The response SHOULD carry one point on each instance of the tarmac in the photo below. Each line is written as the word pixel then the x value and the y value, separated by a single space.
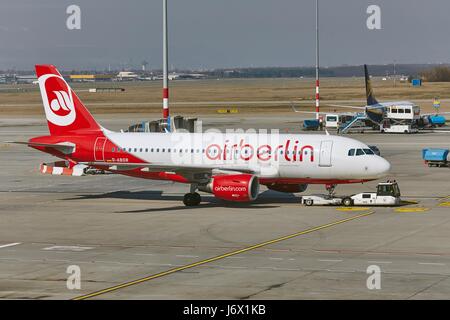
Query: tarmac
pixel 134 239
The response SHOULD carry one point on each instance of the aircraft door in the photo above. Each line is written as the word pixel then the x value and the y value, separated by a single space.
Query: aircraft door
pixel 326 148
pixel 99 154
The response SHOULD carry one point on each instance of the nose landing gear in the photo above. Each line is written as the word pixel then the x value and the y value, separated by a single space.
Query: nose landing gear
pixel 192 198
pixel 330 188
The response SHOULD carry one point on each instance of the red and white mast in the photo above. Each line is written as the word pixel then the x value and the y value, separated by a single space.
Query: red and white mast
pixel 166 114
pixel 317 63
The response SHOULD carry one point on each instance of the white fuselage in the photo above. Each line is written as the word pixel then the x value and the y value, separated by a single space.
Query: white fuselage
pixel 271 156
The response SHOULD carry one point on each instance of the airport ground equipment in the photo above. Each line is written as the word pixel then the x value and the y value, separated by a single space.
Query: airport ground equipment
pixel 66 168
pixel 399 128
pixel 179 123
pixel 434 157
pixel 311 124
pixel 436 120
pixel 359 121
pixel 387 194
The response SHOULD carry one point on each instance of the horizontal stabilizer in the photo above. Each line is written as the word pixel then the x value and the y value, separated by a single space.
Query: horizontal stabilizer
pixel 65 147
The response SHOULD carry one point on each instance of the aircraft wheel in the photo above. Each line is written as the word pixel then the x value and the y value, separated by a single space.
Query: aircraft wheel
pixel 192 199
pixel 348 202
pixel 309 202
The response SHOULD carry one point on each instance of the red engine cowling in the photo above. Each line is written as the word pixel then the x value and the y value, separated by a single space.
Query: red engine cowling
pixel 237 187
pixel 288 188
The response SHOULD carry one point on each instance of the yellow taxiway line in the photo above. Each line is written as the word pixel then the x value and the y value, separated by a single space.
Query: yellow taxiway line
pixel 202 262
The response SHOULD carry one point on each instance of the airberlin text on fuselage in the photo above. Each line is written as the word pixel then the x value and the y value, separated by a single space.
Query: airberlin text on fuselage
pixel 290 150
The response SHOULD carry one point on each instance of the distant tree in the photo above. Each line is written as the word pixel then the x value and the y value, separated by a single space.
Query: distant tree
pixel 437 74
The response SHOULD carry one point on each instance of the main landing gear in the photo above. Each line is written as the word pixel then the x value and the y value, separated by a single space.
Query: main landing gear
pixel 192 198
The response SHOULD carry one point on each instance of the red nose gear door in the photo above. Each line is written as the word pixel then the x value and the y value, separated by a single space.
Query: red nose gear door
pixel 99 148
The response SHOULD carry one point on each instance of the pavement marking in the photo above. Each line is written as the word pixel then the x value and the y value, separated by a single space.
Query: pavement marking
pixel 185 256
pixel 10 245
pixel 444 204
pixel 412 209
pixel 276 259
pixel 223 256
pixel 432 263
pixel 67 248
pixel 352 209
pixel 380 262
pixel 330 260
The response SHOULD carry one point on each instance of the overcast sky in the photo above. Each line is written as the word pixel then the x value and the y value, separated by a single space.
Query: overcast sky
pixel 221 33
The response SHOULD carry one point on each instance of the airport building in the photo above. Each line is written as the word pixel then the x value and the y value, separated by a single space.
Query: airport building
pixel 90 77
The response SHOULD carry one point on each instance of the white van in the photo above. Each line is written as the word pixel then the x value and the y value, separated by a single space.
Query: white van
pixel 332 121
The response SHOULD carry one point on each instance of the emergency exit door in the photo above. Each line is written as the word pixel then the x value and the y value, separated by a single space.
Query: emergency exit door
pixel 99 147
pixel 326 149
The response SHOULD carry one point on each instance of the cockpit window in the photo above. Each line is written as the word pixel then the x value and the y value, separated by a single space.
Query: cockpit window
pixel 351 152
pixel 359 152
pixel 369 151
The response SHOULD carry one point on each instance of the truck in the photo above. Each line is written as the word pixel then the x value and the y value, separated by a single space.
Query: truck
pixel 435 157
pixel 387 194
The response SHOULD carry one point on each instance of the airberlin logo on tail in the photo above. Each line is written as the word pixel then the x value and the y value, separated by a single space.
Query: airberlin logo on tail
pixel 57 99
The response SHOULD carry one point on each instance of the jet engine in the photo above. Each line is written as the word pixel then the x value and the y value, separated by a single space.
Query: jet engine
pixel 237 187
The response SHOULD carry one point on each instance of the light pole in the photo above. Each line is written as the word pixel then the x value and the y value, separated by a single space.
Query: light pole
pixel 317 62
pixel 166 114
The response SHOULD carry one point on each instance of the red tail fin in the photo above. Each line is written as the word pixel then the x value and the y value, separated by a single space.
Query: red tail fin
pixel 64 111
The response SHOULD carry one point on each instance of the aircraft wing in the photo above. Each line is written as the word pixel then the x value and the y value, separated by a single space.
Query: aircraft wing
pixel 322 113
pixel 66 148
pixel 344 106
pixel 158 167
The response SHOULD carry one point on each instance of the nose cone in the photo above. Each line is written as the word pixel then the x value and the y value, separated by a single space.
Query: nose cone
pixel 381 167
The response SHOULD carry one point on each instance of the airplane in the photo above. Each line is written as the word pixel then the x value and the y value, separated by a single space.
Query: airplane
pixel 231 166
pixel 377 112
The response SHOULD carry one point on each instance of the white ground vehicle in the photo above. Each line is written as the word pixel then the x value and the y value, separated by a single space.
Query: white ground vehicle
pixel 332 121
pixel 400 128
pixel 388 194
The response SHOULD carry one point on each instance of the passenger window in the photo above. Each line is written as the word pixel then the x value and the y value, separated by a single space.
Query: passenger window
pixel 407 110
pixel 113 149
pixel 157 150
pixel 366 196
pixel 140 150
pixel 351 152
pixel 168 150
pixel 394 111
pixel 163 150
pixel 401 110
pixel 151 150
pixel 135 149
pixel 359 152
pixel 146 149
